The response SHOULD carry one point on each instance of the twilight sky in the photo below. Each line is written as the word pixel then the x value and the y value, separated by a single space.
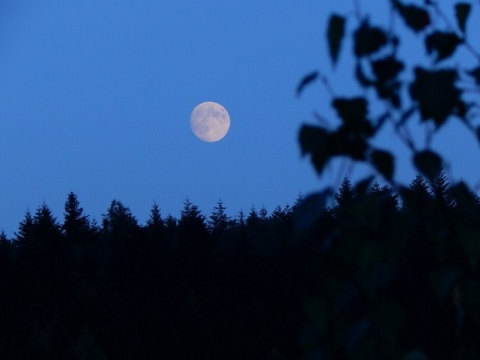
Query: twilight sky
pixel 96 96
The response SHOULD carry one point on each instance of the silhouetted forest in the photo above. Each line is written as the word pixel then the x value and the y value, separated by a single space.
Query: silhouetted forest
pixel 250 286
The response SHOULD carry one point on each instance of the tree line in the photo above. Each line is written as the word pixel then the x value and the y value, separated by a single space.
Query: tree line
pixel 257 286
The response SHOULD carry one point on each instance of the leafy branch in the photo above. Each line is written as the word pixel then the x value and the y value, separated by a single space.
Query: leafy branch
pixel 435 95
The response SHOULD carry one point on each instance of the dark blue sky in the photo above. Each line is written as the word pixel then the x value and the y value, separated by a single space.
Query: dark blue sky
pixel 96 95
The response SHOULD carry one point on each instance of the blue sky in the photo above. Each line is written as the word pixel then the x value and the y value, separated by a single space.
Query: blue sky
pixel 96 95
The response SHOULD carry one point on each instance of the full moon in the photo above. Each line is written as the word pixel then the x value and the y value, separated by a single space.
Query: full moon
pixel 210 121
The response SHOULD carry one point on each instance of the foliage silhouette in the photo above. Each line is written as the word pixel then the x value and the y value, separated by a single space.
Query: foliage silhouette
pixel 398 266
pixel 435 95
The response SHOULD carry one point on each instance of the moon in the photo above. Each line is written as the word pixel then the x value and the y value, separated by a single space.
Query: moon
pixel 210 121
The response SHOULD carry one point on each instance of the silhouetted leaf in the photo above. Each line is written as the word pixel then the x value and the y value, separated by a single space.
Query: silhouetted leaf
pixel 383 161
pixel 306 81
pixel 350 110
pixel 386 71
pixel 310 209
pixel 428 163
pixel 390 91
pixel 415 17
pixel 346 142
pixel 335 33
pixel 311 138
pixel 436 93
pixel 368 39
pixel 442 44
pixel 475 73
pixel 353 113
pixel 314 140
pixel 387 68
pixel 462 10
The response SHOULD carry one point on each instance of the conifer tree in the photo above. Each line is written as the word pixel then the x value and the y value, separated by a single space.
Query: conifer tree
pixel 280 221
pixel 155 220
pixel 25 229
pixel 241 219
pixel 190 216
pixel 278 213
pixel 45 228
pixel 345 194
pixel 420 186
pixel 192 228
pixel 263 213
pixel 240 224
pixel 121 233
pixel 75 225
pixel 418 197
pixel 439 191
pixel 170 224
pixel 385 195
pixel 118 219
pixel 218 221
pixel 253 220
pixel 155 226
pixel 298 201
pixel 170 221
pixel 156 234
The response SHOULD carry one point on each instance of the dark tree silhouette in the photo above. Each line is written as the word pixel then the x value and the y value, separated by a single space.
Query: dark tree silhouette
pixel 192 228
pixel 125 290
pixel 346 193
pixel 218 221
pixel 155 220
pixel 75 222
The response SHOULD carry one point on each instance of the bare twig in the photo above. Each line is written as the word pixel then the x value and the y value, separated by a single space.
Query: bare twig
pixel 428 136
pixel 449 24
pixel 322 120
pixel 325 83
pixel 402 131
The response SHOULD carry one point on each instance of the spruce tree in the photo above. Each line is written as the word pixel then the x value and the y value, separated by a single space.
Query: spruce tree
pixel 218 221
pixel 155 220
pixel 155 227
pixel 25 230
pixel 345 194
pixel 440 191
pixel 192 229
pixel 75 225
pixel 253 220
